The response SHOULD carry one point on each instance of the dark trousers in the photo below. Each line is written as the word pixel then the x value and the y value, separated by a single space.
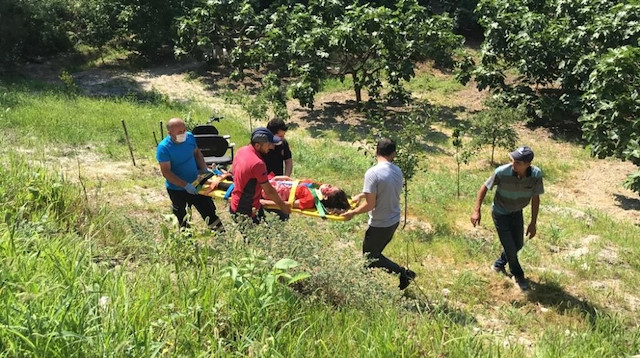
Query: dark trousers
pixel 204 204
pixel 256 219
pixel 375 240
pixel 510 229
pixel 281 215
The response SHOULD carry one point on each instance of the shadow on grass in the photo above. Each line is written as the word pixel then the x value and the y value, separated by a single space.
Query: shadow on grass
pixel 349 121
pixel 215 78
pixel 551 294
pixel 442 311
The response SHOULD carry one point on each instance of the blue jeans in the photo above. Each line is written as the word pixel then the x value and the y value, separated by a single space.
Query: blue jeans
pixel 510 229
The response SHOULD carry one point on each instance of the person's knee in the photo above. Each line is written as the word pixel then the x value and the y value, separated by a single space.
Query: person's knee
pixel 179 212
pixel 371 254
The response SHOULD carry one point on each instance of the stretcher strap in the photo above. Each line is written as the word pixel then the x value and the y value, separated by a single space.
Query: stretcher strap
pixel 227 194
pixel 318 203
pixel 292 193
pixel 198 183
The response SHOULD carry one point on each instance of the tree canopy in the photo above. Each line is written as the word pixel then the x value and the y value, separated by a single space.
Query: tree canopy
pixel 322 39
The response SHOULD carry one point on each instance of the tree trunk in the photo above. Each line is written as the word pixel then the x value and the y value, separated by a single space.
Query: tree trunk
pixel 493 149
pixel 458 177
pixel 406 192
pixel 357 87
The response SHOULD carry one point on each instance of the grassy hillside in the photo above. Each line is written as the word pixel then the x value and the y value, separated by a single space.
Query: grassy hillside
pixel 91 263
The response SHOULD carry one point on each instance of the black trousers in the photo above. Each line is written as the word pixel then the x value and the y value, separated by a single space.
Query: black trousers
pixel 256 219
pixel 204 204
pixel 375 240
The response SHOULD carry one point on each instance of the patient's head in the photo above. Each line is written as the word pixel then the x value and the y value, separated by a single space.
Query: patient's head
pixel 335 199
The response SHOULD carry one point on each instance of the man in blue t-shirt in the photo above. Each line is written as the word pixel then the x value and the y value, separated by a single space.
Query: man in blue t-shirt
pixel 180 162
pixel 517 183
pixel 381 193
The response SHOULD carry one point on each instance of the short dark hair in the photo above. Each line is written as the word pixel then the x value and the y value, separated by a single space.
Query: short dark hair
pixel 385 147
pixel 277 124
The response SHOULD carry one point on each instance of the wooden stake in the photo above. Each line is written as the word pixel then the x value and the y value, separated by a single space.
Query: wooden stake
pixel 154 138
pixel 161 131
pixel 126 135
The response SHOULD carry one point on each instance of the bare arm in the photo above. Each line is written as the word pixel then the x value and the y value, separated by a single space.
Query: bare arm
pixel 288 167
pixel 272 195
pixel 356 198
pixel 477 215
pixel 215 181
pixel 267 202
pixel 199 159
pixel 165 168
pixel 281 177
pixel 535 207
pixel 367 205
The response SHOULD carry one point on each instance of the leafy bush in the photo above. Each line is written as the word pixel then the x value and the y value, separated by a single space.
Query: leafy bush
pixel 337 273
pixel 33 28
pixel 494 126
pixel 611 119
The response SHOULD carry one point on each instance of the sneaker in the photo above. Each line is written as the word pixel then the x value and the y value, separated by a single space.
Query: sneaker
pixel 405 278
pixel 522 283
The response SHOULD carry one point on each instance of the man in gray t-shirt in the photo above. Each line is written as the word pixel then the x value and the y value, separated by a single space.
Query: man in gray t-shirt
pixel 381 193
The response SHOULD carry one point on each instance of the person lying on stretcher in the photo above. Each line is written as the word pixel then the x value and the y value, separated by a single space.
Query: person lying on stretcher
pixel 334 199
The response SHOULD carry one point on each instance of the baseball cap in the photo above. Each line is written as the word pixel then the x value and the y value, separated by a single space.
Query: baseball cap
pixel 263 135
pixel 522 154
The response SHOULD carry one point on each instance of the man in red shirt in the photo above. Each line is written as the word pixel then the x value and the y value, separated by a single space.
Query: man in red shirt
pixel 250 177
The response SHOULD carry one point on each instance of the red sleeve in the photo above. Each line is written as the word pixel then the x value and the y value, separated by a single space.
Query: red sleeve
pixel 259 171
pixel 303 194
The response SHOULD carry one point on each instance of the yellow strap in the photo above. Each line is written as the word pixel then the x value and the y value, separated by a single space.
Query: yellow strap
pixel 292 194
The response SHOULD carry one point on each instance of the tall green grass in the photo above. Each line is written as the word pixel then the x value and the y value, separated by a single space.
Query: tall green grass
pixel 46 119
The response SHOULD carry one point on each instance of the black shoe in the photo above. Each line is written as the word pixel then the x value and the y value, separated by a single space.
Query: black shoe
pixel 405 278
pixel 500 269
pixel 522 283
pixel 217 227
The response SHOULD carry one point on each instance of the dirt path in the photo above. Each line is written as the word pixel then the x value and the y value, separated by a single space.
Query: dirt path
pixel 599 186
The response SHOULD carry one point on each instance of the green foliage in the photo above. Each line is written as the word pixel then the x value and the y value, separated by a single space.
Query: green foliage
pixel 494 126
pixel 209 26
pixel 633 182
pixel 256 106
pixel 26 201
pixel 270 96
pixel 611 123
pixel 463 154
pixel 407 131
pixel 573 58
pixel 310 43
pixel 70 87
pixel 549 43
pixel 464 16
pixel 611 119
pixel 149 27
pixel 33 28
